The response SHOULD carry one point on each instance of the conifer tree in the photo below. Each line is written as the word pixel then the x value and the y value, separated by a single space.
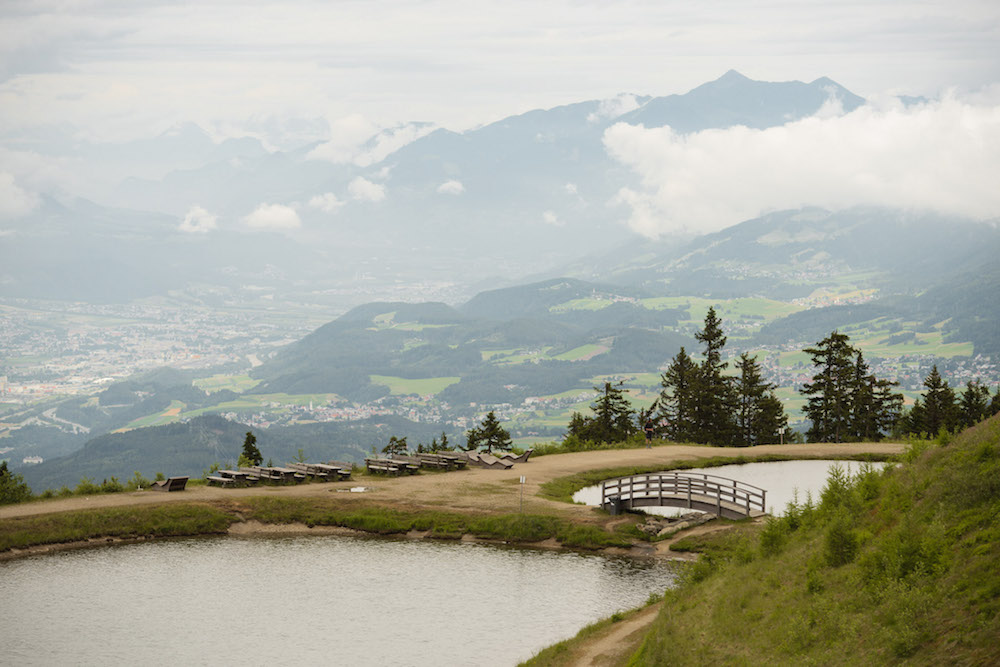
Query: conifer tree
pixel 488 434
pixel 759 413
pixel 829 403
pixel 974 404
pixel 396 446
pixel 680 384
pixel 939 409
pixel 613 420
pixel 714 399
pixel 251 456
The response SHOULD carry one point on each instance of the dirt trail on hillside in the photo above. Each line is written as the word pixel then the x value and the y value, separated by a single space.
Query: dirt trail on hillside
pixel 473 491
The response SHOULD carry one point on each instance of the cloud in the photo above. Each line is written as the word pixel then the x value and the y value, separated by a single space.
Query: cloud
pixel 364 190
pixel 197 221
pixel 550 218
pixel 356 140
pixel 273 216
pixel 326 202
pixel 15 201
pixel 451 187
pixel 943 156
pixel 614 107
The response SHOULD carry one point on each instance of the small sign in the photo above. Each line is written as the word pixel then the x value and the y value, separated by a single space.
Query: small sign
pixel 522 479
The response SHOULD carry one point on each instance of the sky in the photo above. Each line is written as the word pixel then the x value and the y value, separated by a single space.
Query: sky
pixel 290 71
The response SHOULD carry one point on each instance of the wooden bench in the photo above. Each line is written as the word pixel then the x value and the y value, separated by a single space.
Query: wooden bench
pixel 215 480
pixel 170 484
pixel 384 467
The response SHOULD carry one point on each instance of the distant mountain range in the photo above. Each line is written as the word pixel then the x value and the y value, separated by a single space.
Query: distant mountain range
pixel 524 194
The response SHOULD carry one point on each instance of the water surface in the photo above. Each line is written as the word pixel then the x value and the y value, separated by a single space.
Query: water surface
pixel 309 600
pixel 782 480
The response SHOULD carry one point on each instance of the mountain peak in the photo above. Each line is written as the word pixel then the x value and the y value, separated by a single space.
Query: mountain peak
pixel 732 76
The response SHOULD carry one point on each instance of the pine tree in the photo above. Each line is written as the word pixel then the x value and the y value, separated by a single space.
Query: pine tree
pixel 974 404
pixel 829 403
pixel 489 435
pixel 396 446
pixel 677 399
pixel 251 456
pixel 613 420
pixel 939 409
pixel 759 413
pixel 714 399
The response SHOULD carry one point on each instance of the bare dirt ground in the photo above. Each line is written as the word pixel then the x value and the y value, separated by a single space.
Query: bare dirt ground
pixel 473 491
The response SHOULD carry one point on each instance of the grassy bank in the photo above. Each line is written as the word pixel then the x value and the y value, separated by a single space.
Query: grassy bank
pixel 186 519
pixel 114 522
pixel 895 566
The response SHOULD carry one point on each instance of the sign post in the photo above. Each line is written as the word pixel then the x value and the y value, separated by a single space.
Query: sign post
pixel 522 494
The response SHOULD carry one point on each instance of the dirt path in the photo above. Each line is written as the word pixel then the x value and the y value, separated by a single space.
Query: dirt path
pixel 472 491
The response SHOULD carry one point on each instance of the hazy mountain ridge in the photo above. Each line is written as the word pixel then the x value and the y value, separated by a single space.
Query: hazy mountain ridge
pixel 524 194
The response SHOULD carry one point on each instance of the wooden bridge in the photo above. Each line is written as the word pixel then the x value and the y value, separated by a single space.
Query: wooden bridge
pixel 722 496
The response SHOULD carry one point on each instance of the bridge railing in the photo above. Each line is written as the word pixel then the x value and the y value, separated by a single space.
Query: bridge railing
pixel 690 485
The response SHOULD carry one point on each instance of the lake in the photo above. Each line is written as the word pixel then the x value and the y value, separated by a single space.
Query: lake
pixel 311 600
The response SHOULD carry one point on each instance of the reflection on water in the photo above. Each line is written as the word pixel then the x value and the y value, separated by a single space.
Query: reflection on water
pixel 781 479
pixel 313 600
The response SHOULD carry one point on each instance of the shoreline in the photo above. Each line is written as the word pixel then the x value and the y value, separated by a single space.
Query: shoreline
pixel 471 493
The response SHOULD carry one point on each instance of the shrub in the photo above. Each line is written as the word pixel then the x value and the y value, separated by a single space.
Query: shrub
pixel 86 487
pixel 840 543
pixel 112 486
pixel 12 487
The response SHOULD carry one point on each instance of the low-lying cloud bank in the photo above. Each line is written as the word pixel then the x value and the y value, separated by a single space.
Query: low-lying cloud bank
pixel 943 156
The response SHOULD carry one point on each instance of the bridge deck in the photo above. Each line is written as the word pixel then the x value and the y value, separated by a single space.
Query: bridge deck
pixel 700 491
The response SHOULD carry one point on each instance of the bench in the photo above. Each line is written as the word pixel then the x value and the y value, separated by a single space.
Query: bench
pixel 215 480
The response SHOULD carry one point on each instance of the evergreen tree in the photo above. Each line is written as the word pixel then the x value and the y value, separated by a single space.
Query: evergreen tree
pixel 974 404
pixel 677 399
pixel 251 456
pixel 939 409
pixel 613 420
pixel 995 403
pixel 489 435
pixel 829 403
pixel 396 446
pixel 714 398
pixel 759 413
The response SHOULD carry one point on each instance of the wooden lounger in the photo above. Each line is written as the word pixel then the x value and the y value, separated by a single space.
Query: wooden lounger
pixel 170 484
pixel 517 458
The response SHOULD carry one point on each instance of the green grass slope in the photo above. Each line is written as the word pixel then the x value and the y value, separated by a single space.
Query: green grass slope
pixel 895 567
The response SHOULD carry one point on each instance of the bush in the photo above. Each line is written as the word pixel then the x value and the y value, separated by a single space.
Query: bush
pixel 112 486
pixel 840 544
pixel 137 482
pixel 12 487
pixel 86 487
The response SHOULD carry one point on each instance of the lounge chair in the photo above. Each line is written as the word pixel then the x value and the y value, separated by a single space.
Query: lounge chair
pixel 516 458
pixel 488 461
pixel 170 484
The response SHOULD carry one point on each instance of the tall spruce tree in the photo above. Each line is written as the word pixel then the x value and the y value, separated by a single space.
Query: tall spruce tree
pixel 829 403
pixel 715 402
pixel 939 409
pixel 759 413
pixel 974 404
pixel 680 384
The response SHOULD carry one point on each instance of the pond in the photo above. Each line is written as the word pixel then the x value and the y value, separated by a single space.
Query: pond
pixel 781 479
pixel 310 599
